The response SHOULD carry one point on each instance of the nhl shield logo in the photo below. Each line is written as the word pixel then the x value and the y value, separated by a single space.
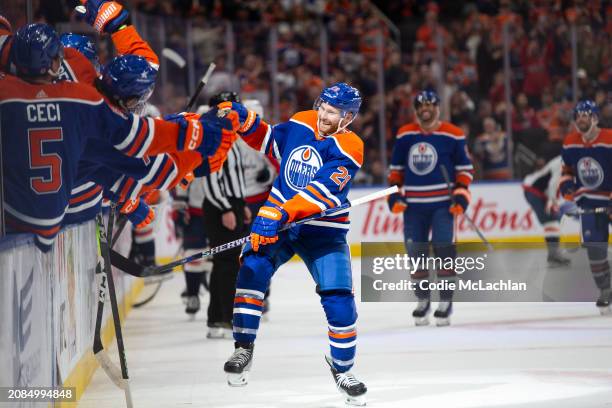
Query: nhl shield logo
pixel 302 165
pixel 590 172
pixel 422 158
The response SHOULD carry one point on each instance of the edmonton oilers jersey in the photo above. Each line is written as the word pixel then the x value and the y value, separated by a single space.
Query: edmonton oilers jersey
pixel 590 164
pixel 44 132
pixel 418 157
pixel 318 169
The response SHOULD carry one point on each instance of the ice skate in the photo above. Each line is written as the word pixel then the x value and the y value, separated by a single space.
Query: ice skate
pixel 603 302
pixel 420 313
pixel 556 259
pixel 443 312
pixel 192 306
pixel 239 364
pixel 220 331
pixel 353 389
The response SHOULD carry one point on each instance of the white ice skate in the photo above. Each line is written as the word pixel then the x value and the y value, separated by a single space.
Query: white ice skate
pixel 442 314
pixel 353 390
pixel 239 364
pixel 420 313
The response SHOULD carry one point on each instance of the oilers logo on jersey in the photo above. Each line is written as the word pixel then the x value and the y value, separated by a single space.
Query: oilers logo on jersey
pixel 590 172
pixel 302 165
pixel 422 158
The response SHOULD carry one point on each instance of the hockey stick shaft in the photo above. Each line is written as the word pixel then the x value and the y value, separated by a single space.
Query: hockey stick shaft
pixel 201 85
pixel 581 211
pixel 244 240
pixel 100 354
pixel 115 309
pixel 120 227
pixel 467 217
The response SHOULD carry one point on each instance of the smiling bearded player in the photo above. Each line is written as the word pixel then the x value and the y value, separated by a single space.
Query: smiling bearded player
pixel 421 150
pixel 318 158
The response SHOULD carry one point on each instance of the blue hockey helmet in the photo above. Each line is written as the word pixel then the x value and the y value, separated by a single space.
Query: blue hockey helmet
pixel 128 80
pixel 342 96
pixel 427 96
pixel 587 106
pixel 34 49
pixel 82 44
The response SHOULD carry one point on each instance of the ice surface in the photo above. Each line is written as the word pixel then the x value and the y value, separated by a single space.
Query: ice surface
pixel 494 355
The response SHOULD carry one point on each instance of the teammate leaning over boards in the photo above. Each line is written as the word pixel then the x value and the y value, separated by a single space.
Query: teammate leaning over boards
pixel 127 82
pixel 421 148
pixel 587 180
pixel 46 125
pixel 319 158
pixel 79 64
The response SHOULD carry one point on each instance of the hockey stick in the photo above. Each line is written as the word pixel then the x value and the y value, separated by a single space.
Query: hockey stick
pixel 98 348
pixel 123 383
pixel 134 269
pixel 159 279
pixel 121 223
pixel 201 85
pixel 467 217
pixel 174 56
pixel 581 211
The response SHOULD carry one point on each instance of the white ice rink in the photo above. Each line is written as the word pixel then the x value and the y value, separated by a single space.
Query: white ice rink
pixel 494 355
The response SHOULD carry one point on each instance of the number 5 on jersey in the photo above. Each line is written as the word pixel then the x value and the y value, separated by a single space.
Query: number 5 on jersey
pixel 340 177
pixel 40 160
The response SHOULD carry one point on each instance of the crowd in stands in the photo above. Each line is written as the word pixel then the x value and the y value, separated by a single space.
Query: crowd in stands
pixel 455 47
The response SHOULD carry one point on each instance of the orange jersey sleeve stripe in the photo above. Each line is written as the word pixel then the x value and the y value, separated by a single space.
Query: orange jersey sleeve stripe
pixel 128 41
pixel 144 129
pixel 298 207
pixel 127 186
pixel 25 228
pixel 84 197
pixel 274 201
pixel 463 178
pixel 318 195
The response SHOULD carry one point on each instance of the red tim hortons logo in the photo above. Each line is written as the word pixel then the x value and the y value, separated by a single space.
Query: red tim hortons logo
pixel 380 222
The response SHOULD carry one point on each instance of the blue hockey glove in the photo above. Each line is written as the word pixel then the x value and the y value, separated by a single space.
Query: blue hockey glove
pixel 103 15
pixel 266 226
pixel 461 200
pixel 138 212
pixel 567 187
pixel 397 203
pixel 249 120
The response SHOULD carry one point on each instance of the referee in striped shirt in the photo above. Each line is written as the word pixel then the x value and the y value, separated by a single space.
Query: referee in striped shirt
pixel 226 218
